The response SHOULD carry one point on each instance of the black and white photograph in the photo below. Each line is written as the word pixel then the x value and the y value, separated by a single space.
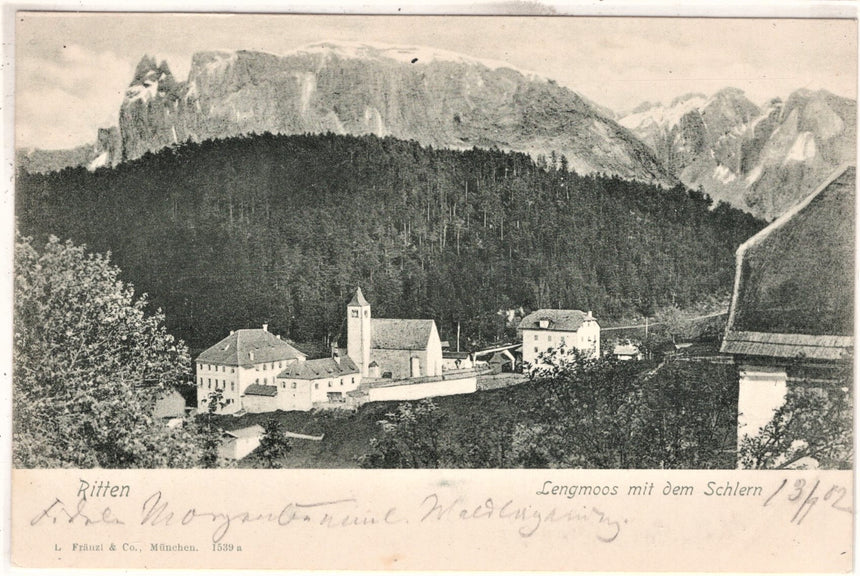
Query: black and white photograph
pixel 330 242
pixel 590 279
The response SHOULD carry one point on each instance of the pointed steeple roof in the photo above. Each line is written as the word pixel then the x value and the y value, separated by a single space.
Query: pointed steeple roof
pixel 358 299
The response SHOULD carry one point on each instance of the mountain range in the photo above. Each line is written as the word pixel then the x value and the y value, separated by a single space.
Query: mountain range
pixel 761 159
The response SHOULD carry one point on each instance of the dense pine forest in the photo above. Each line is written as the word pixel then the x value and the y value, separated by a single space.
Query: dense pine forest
pixel 281 229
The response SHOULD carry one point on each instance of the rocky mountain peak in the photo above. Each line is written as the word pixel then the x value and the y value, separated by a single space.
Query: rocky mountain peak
pixel 744 154
pixel 435 97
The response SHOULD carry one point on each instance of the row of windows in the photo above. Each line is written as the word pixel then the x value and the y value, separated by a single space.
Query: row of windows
pixel 549 338
pixel 215 369
pixel 265 382
pixel 223 385
pixel 263 366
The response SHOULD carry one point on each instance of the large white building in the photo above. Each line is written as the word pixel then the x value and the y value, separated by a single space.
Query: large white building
pixel 242 359
pixel 547 329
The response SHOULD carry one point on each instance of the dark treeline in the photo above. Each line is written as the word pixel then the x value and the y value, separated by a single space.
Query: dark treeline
pixel 232 233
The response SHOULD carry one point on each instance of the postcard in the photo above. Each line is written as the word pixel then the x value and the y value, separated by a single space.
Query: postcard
pixel 460 292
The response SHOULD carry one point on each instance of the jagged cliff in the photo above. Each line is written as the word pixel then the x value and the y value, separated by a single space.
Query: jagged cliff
pixel 760 159
pixel 437 98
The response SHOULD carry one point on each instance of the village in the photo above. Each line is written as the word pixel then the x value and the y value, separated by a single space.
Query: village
pixel 253 371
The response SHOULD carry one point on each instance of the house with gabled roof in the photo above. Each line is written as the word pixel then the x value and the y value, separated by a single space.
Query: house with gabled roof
pixel 546 329
pixel 319 381
pixel 244 358
pixel 791 319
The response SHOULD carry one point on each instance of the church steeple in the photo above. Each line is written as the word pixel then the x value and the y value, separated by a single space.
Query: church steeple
pixel 358 331
pixel 358 299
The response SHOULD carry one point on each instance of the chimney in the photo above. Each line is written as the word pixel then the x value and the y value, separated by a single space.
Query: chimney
pixel 589 316
pixel 335 353
pixel 279 336
pixel 265 327
pixel 231 332
pixel 251 356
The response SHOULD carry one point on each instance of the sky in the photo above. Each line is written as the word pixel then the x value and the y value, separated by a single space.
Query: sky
pixel 72 69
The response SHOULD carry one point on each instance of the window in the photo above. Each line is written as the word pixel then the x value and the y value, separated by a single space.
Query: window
pixel 232 386
pixel 316 385
pixel 563 341
pixel 210 382
pixel 280 364
pixel 265 381
pixel 536 336
pixel 353 313
pixel 353 380
pixel 232 370
pixel 293 385
pixel 549 337
pixel 341 381
pixel 257 381
pixel 329 383
pixel 366 313
pixel 536 349
pixel 201 380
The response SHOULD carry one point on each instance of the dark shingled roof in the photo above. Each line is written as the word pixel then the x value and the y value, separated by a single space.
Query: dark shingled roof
pixel 320 368
pixel 561 320
pixel 794 284
pixel 261 390
pixel 236 349
pixel 399 334
pixel 788 345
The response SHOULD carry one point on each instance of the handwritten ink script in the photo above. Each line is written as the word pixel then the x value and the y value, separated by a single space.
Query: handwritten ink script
pixel 595 512
pixel 157 511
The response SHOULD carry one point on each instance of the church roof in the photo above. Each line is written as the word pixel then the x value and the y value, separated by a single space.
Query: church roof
pixel 358 299
pixel 794 284
pixel 560 320
pixel 320 368
pixel 238 348
pixel 400 334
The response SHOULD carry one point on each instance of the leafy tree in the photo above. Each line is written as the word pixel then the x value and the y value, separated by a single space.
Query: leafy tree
pixel 610 414
pixel 209 431
pixel 577 412
pixel 411 438
pixel 274 444
pixel 89 365
pixel 815 422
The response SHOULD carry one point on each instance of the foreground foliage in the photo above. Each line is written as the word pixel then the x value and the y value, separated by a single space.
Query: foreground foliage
pixel 89 365
pixel 579 413
pixel 815 424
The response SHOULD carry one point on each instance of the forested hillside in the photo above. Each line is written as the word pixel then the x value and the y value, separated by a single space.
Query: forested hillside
pixel 281 229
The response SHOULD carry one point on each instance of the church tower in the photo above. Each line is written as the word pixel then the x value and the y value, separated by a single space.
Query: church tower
pixel 358 331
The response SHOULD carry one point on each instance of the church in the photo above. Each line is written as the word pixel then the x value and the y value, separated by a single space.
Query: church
pixel 257 371
pixel 391 347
